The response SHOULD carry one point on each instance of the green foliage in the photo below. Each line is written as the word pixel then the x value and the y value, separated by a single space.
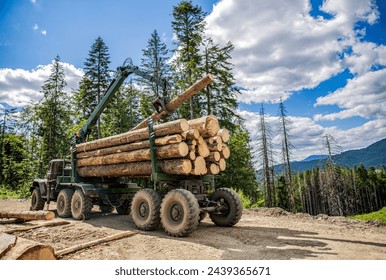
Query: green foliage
pixel 188 27
pixel 239 173
pixel 379 215
pixel 54 116
pixel 94 83
pixel 248 202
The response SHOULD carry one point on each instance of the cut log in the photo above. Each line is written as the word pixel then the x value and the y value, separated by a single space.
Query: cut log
pixel 213 168
pixel 49 224
pixel 28 215
pixel 207 125
pixel 170 139
pixel 176 102
pixel 217 139
pixel 215 147
pixel 202 149
pixel 191 134
pixel 23 249
pixel 222 164
pixel 199 166
pixel 191 155
pixel 60 253
pixel 225 151
pixel 168 128
pixel 137 169
pixel 209 140
pixel 213 157
pixel 163 152
pixel 191 142
pixel 224 134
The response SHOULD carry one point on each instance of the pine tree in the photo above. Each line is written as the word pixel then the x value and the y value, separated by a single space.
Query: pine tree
pixel 155 63
pixel 188 26
pixel 54 115
pixel 95 81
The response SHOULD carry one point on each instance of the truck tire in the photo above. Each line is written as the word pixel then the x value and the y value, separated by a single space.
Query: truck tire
pixel 80 206
pixel 180 213
pixel 232 211
pixel 124 208
pixel 63 203
pixel 37 202
pixel 145 209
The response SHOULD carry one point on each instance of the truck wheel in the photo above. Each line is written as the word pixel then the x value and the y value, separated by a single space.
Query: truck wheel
pixel 37 202
pixel 106 208
pixel 80 206
pixel 232 208
pixel 124 208
pixel 63 203
pixel 145 209
pixel 180 213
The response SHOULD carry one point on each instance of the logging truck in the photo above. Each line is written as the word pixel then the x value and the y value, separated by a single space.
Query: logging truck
pixel 180 157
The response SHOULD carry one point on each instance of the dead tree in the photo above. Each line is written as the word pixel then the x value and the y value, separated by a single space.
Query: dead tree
pixel 286 153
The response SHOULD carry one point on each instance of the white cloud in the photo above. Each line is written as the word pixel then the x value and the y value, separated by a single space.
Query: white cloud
pixel 307 136
pixel 18 86
pixel 35 27
pixel 280 48
pixel 363 96
pixel 43 32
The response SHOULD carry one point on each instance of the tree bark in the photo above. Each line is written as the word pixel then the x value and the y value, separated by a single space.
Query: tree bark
pixel 163 152
pixel 171 139
pixel 168 128
pixel 137 169
pixel 28 215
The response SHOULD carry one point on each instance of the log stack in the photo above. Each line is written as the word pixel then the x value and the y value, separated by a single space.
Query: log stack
pixel 194 147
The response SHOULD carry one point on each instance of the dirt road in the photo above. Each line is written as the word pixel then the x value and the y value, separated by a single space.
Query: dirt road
pixel 261 234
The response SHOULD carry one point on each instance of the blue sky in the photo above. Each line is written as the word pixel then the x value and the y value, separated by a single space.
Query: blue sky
pixel 325 58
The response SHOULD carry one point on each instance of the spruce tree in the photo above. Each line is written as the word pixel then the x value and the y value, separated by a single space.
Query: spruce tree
pixel 124 111
pixel 219 97
pixel 54 115
pixel 153 62
pixel 95 81
pixel 188 26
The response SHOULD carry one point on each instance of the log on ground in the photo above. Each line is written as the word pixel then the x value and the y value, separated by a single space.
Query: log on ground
pixel 17 248
pixel 28 215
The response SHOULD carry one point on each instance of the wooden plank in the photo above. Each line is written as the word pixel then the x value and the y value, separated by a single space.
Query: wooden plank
pixel 66 251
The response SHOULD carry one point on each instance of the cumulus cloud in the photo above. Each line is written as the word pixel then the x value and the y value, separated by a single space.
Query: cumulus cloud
pixel 307 136
pixel 18 87
pixel 363 96
pixel 280 47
